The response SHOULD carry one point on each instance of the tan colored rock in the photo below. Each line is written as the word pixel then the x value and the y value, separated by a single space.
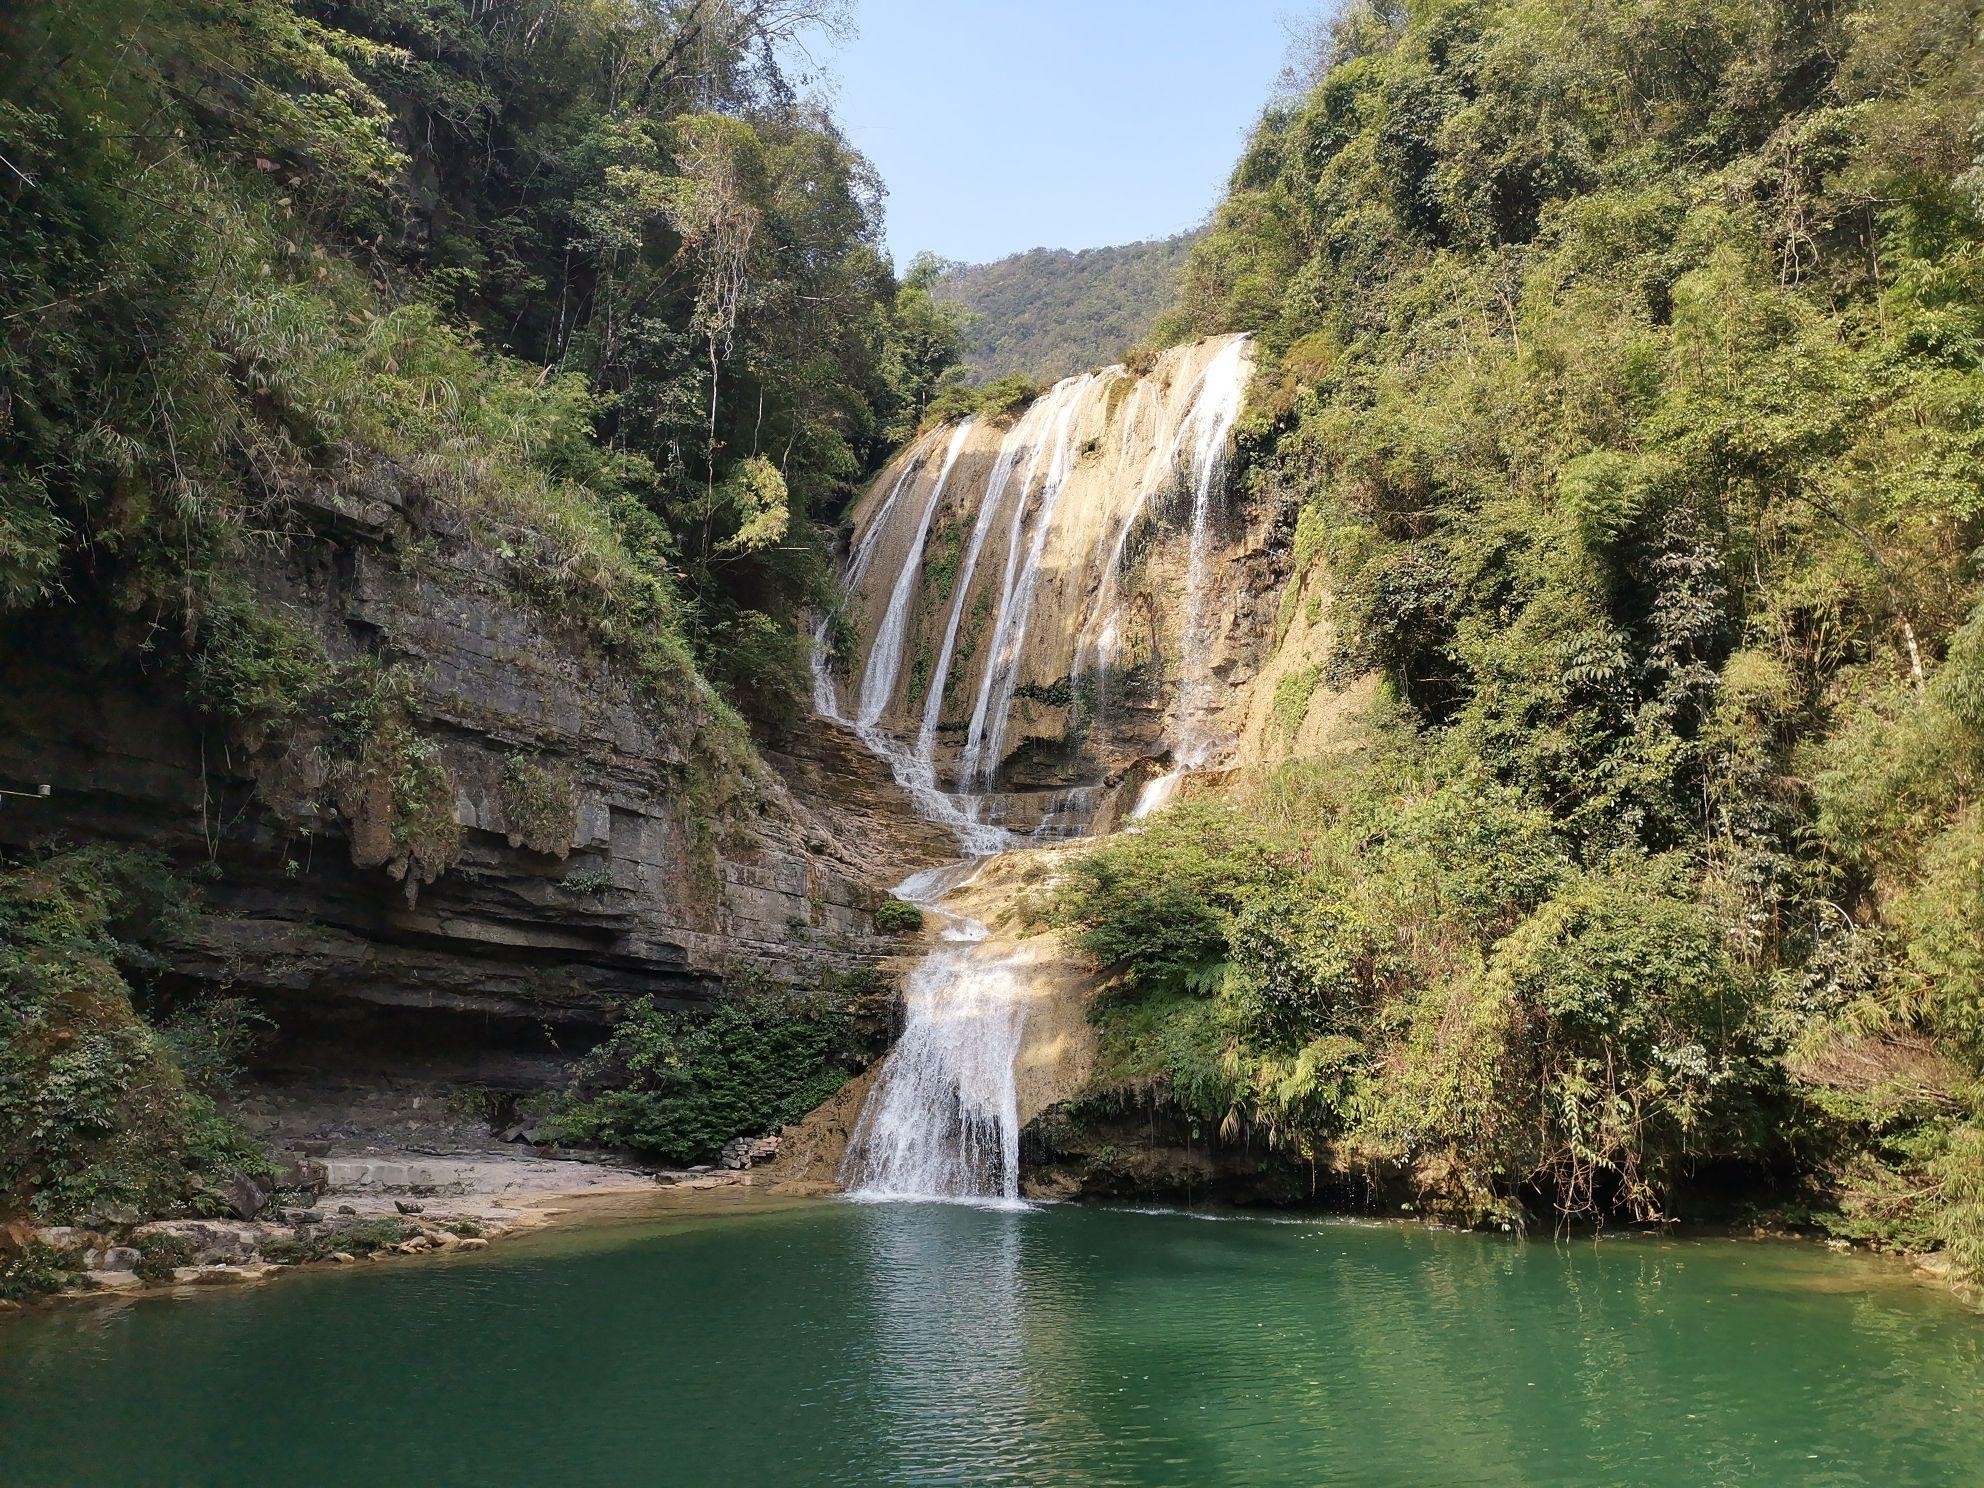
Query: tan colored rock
pixel 1121 440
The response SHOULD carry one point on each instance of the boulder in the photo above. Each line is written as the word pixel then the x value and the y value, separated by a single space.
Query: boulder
pixel 15 1238
pixel 246 1195
pixel 304 1175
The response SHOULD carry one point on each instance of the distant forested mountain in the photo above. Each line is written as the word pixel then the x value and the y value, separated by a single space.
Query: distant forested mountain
pixel 1048 312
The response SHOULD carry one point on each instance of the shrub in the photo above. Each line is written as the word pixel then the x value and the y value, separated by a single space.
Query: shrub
pixel 540 809
pixel 896 917
pixel 679 1085
pixel 35 1270
pixel 159 1255
pixel 100 1109
pixel 357 1237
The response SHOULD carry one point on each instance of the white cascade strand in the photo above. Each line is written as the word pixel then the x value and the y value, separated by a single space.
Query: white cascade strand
pixel 1012 648
pixel 943 1119
pixel 826 696
pixel 1215 414
pixel 878 681
pixel 1205 419
pixel 980 761
pixel 1158 792
pixel 1101 634
pixel 1018 440
pixel 914 775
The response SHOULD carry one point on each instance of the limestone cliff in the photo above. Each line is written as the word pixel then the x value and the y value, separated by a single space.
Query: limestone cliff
pixel 633 876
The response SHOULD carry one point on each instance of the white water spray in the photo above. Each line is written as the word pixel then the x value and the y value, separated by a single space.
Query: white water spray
pixel 1009 647
pixel 943 1120
pixel 1056 417
pixel 1019 439
pixel 1213 416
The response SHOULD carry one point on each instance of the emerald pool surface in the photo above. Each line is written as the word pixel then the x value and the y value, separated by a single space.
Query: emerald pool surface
pixel 842 1343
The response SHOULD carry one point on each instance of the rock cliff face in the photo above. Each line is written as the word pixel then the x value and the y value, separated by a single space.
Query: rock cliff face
pixel 610 886
pixel 1072 598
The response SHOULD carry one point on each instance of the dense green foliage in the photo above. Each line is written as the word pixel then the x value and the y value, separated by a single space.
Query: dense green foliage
pixel 105 1111
pixel 1621 382
pixel 1050 313
pixel 590 271
pixel 351 1237
pixel 677 1086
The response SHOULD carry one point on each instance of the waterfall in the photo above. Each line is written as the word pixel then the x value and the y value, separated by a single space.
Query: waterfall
pixel 915 775
pixel 1018 440
pixel 1213 415
pixel 826 697
pixel 943 1119
pixel 985 746
pixel 1210 410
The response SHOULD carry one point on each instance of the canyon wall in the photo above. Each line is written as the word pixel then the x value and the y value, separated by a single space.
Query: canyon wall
pixel 638 873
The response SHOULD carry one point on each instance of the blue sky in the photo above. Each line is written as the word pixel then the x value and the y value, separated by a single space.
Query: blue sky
pixel 1001 125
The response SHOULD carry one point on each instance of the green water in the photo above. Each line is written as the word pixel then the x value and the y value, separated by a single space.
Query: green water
pixel 846 1344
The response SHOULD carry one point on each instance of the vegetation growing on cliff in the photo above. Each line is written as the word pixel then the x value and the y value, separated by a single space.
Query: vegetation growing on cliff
pixel 592 274
pixel 107 1102
pixel 1622 364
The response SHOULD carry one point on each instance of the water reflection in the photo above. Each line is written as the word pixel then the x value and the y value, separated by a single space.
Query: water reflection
pixel 949 1315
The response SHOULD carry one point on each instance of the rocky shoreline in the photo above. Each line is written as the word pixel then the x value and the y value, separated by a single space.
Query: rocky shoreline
pixel 370 1205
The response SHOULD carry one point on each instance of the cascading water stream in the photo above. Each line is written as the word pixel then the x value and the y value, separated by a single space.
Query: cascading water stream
pixel 1019 439
pixel 1057 419
pixel 943 1119
pixel 1206 419
pixel 826 697
pixel 878 681
pixel 1217 410
pixel 914 773
pixel 1214 411
pixel 1009 642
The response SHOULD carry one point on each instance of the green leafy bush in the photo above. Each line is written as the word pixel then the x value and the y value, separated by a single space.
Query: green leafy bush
pixel 160 1255
pixel 102 1110
pixel 895 917
pixel 1349 955
pixel 539 807
pixel 678 1085
pixel 35 1270
pixel 353 1237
